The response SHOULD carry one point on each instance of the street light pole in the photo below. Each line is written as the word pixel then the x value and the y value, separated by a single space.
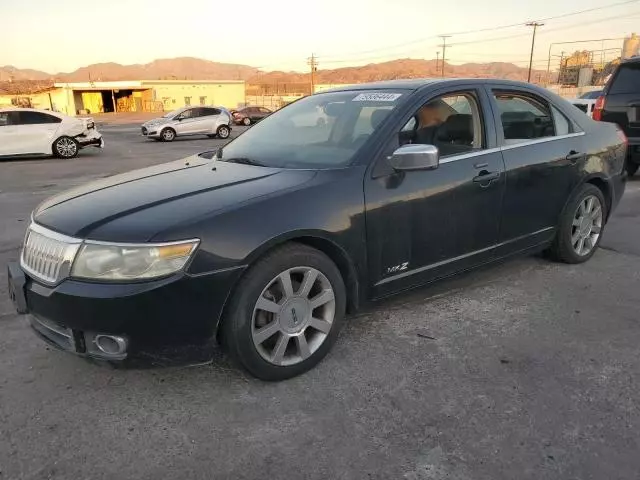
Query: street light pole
pixel 535 26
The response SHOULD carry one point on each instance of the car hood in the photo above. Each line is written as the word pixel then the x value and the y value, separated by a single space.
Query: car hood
pixel 137 206
pixel 156 121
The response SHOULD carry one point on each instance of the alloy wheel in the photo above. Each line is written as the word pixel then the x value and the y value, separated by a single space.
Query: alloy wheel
pixel 66 147
pixel 293 316
pixel 223 132
pixel 168 135
pixel 587 225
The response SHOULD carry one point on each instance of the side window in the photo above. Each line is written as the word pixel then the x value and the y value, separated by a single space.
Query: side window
pixel 37 118
pixel 203 100
pixel 524 117
pixel 189 113
pixel 451 122
pixel 562 124
pixel 264 110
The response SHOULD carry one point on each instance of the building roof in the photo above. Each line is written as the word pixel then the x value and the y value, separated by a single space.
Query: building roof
pixel 138 84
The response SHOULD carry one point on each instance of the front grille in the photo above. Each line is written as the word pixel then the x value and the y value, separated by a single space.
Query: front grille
pixel 47 255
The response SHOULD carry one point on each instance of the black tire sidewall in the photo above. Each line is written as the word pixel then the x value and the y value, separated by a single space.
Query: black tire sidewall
pixel 246 121
pixel 564 249
pixel 57 152
pixel 237 335
pixel 223 128
pixel 166 130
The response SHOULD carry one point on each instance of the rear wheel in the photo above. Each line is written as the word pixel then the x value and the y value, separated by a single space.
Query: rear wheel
pixel 631 168
pixel 168 135
pixel 246 121
pixel 581 226
pixel 286 313
pixel 223 131
pixel 65 147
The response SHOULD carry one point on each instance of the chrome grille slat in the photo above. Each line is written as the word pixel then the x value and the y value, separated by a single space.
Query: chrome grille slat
pixel 46 255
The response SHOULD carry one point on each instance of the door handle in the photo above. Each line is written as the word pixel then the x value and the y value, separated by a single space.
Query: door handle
pixel 485 178
pixel 480 165
pixel 574 156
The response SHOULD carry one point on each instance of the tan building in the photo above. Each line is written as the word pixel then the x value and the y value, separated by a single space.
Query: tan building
pixel 133 96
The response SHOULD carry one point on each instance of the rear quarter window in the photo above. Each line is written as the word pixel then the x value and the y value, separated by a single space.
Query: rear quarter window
pixel 627 80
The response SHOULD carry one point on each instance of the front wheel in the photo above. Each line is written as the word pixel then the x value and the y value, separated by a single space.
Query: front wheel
pixel 246 121
pixel 168 135
pixel 223 132
pixel 65 147
pixel 286 313
pixel 581 226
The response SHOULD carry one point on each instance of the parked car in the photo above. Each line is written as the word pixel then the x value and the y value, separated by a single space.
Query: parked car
pixel 249 115
pixel 266 243
pixel 209 121
pixel 32 132
pixel 587 101
pixel 620 104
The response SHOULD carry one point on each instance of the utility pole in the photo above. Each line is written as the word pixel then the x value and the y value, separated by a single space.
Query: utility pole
pixel 535 26
pixel 444 50
pixel 437 61
pixel 313 66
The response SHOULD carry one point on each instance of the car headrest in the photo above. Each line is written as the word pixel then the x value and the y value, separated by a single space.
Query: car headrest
pixel 458 128
pixel 378 116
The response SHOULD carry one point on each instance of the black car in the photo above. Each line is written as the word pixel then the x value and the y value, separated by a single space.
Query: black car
pixel 620 104
pixel 248 115
pixel 267 243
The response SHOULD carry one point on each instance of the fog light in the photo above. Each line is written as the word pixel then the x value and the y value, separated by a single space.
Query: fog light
pixel 110 344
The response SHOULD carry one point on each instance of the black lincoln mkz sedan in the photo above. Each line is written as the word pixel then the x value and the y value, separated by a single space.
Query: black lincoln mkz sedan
pixel 266 244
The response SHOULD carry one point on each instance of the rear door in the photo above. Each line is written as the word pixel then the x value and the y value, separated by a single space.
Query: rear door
pixel 212 118
pixel 622 101
pixel 542 151
pixel 34 132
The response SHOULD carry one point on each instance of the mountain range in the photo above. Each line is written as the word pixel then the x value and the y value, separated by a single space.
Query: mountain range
pixel 199 69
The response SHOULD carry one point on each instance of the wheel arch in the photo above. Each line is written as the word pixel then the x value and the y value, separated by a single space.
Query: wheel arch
pixel 320 242
pixel 602 184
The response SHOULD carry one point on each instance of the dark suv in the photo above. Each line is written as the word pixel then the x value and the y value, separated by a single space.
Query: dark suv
pixel 620 104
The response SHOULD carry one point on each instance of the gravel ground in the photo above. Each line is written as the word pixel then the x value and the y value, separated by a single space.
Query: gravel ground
pixel 526 370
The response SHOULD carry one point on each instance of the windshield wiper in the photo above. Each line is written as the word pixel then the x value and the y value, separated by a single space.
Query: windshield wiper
pixel 244 161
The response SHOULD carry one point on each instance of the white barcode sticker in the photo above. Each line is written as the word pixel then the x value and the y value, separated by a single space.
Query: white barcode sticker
pixel 377 97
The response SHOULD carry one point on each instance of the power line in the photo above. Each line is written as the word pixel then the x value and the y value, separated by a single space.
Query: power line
pixel 486 29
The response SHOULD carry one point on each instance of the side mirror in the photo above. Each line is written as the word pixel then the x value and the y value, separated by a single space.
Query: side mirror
pixel 179 118
pixel 415 157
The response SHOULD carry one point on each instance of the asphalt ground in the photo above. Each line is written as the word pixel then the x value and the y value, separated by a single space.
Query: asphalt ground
pixel 525 370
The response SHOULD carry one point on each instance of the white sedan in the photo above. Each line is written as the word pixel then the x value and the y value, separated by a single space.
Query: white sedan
pixel 28 132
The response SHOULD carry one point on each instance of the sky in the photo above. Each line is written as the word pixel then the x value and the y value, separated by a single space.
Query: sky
pixel 62 35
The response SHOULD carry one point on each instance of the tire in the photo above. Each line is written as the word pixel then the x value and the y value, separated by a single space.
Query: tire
pixel 246 121
pixel 575 224
pixel 306 339
pixel 631 168
pixel 65 147
pixel 223 132
pixel 168 135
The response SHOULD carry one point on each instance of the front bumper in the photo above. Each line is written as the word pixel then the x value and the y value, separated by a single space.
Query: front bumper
pixel 151 131
pixel 170 312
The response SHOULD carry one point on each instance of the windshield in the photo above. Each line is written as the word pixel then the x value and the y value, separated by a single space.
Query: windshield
pixel 321 131
pixel 173 113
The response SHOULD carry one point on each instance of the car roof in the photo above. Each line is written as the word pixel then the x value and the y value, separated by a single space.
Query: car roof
pixel 419 83
pixel 23 109
pixel 634 59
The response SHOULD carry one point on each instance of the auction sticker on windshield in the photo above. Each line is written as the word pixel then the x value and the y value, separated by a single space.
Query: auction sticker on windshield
pixel 377 97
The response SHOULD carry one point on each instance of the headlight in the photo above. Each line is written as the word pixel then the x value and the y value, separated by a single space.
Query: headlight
pixel 131 262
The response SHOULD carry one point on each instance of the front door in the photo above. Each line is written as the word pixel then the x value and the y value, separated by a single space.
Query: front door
pixel 422 225
pixel 542 150
pixel 188 124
